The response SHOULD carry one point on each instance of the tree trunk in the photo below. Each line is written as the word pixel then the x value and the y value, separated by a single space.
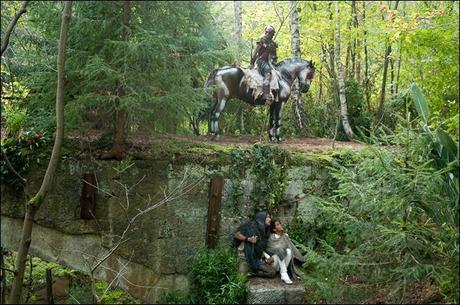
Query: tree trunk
pixel 384 84
pixel 343 101
pixel 121 115
pixel 297 106
pixel 238 29
pixel 392 76
pixel 366 64
pixel 9 30
pixel 398 69
pixel 239 38
pixel 34 204
pixel 384 79
pixel 356 58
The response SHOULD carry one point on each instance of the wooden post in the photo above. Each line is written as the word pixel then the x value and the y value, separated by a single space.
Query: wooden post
pixel 49 287
pixel 88 196
pixel 215 197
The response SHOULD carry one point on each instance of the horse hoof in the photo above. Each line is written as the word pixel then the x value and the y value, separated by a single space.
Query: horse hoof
pixel 279 140
pixel 215 138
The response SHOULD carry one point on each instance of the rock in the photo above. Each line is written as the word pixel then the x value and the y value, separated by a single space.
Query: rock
pixel 274 291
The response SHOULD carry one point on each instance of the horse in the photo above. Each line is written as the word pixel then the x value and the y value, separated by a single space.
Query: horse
pixel 228 83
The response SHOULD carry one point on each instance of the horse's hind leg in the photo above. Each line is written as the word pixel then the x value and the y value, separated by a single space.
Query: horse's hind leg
pixel 271 128
pixel 215 114
pixel 275 121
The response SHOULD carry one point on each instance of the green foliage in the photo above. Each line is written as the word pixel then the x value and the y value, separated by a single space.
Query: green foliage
pixel 443 147
pixel 395 213
pixel 171 48
pixel 268 166
pixel 359 118
pixel 175 297
pixel 80 290
pixel 15 118
pixel 112 295
pixel 27 149
pixel 160 67
pixel 420 102
pixel 216 278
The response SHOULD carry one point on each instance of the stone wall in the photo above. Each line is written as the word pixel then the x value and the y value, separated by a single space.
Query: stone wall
pixel 158 244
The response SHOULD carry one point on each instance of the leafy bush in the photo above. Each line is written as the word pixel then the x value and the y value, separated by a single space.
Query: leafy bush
pixel 400 218
pixel 80 292
pixel 112 295
pixel 396 212
pixel 216 278
pixel 23 151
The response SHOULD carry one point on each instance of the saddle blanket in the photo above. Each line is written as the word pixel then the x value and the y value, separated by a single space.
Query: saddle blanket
pixel 254 81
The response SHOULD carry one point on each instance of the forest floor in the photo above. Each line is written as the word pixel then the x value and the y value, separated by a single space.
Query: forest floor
pixel 141 140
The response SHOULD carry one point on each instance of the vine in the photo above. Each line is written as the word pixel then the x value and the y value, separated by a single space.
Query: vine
pixel 268 167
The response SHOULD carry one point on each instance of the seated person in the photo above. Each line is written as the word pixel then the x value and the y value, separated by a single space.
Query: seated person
pixel 283 252
pixel 251 239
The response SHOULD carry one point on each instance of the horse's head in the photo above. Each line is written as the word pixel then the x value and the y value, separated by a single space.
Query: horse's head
pixel 306 76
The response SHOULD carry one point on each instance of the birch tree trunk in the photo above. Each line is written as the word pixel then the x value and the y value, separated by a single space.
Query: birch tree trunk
pixel 34 204
pixel 297 106
pixel 239 38
pixel 343 101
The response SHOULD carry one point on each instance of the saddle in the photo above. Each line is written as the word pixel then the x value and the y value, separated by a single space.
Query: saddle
pixel 254 82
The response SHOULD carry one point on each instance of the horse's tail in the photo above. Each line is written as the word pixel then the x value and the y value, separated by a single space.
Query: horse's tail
pixel 211 81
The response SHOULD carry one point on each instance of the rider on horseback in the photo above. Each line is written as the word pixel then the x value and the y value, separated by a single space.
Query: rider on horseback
pixel 265 54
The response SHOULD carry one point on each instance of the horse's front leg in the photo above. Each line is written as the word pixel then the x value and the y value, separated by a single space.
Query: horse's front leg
pixel 215 114
pixel 278 108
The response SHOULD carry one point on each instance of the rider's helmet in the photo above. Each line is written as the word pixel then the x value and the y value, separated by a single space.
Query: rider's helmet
pixel 269 30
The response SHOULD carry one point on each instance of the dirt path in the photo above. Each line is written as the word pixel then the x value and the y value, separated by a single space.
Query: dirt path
pixel 144 139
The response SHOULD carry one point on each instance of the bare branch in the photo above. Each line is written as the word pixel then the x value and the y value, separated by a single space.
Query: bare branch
pixel 11 168
pixel 282 19
pixel 73 297
pixel 9 270
pixel 168 198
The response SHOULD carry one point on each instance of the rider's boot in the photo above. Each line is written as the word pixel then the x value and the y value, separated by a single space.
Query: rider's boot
pixel 267 96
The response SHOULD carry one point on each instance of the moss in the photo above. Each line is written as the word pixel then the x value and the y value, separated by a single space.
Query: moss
pixel 36 200
pixel 182 150
pixel 319 158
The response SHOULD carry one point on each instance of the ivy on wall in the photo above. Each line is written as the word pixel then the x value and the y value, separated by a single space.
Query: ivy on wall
pixel 267 167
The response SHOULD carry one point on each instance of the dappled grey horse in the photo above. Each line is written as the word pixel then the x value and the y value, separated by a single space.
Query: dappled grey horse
pixel 227 84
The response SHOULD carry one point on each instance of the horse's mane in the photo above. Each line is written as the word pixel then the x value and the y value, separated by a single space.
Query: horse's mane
pixel 293 60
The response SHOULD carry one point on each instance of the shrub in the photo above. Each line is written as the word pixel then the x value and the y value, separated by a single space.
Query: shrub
pixel 216 278
pixel 23 151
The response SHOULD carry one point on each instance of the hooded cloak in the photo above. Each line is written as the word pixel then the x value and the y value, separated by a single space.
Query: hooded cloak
pixel 257 227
